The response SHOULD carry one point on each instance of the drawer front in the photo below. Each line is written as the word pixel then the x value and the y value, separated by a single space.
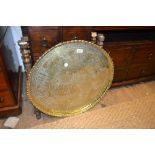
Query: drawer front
pixel 3 81
pixel 138 71
pixel 76 32
pixel 120 75
pixel 43 37
pixel 144 54
pixel 121 56
pixel 6 99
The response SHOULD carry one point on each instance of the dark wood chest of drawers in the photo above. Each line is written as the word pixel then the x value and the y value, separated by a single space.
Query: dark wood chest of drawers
pixel 133 61
pixel 131 48
pixel 10 89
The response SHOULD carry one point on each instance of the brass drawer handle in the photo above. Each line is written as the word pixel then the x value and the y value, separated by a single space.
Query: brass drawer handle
pixel 1 99
pixel 74 38
pixel 45 42
pixel 142 72
pixel 149 56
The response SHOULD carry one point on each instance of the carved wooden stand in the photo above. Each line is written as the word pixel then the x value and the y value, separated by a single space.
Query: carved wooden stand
pixel 26 56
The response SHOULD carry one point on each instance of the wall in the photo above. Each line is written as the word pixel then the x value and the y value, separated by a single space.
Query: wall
pixel 12 50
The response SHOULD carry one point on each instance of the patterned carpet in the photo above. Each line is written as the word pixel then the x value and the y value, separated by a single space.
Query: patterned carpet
pixel 136 114
pixel 114 111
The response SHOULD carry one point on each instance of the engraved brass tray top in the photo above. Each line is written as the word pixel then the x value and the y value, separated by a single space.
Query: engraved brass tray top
pixel 70 78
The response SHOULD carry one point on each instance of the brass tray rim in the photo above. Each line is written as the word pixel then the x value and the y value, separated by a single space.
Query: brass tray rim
pixel 82 109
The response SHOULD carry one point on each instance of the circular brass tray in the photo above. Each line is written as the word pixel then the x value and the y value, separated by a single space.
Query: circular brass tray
pixel 70 78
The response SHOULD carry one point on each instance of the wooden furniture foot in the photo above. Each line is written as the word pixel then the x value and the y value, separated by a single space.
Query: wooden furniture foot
pixel 37 113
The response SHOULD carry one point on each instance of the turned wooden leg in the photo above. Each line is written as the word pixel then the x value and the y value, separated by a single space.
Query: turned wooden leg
pixel 93 37
pixel 37 113
pixel 26 56
pixel 97 38
pixel 100 39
